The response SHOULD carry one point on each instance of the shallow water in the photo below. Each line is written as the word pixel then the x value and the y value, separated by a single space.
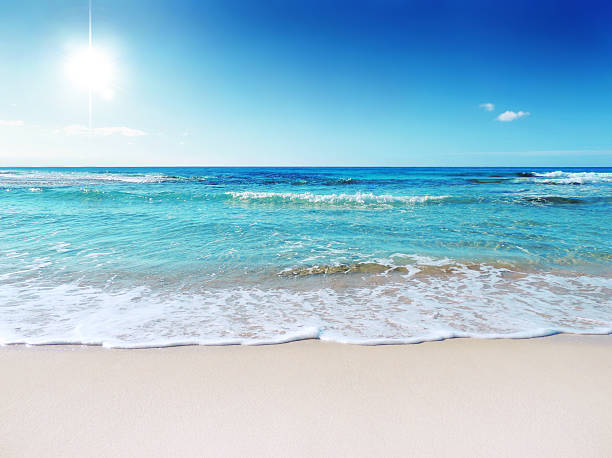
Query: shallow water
pixel 163 256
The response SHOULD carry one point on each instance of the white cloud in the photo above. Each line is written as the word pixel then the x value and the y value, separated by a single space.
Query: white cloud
pixel 77 129
pixel 12 123
pixel 487 106
pixel 508 115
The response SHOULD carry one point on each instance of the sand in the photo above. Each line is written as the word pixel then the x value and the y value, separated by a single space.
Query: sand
pixel 462 397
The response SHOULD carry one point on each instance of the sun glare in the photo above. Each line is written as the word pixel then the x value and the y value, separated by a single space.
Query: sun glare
pixel 91 69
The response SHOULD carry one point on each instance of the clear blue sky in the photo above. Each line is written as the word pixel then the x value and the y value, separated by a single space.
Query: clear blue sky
pixel 310 83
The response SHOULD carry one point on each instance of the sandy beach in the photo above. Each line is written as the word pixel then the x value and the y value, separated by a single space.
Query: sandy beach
pixel 547 396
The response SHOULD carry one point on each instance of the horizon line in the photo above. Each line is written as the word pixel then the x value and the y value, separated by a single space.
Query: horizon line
pixel 314 166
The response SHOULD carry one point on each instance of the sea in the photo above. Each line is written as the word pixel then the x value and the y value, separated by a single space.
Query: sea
pixel 147 257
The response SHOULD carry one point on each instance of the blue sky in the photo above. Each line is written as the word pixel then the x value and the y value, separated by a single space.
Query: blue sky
pixel 386 83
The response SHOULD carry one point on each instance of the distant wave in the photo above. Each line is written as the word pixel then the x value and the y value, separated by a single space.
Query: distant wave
pixel 556 178
pixel 307 198
pixel 575 178
pixel 50 178
pixel 44 178
pixel 67 178
pixel 53 178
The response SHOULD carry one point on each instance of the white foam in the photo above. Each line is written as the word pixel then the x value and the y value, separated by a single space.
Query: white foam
pixel 359 198
pixel 39 178
pixel 488 302
pixel 561 177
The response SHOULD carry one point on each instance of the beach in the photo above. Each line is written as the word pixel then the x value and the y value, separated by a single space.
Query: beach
pixel 305 229
pixel 460 397
pixel 305 312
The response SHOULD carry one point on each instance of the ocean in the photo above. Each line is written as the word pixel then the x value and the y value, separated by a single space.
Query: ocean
pixel 140 257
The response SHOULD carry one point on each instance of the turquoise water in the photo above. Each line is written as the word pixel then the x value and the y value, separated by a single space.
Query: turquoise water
pixel 166 256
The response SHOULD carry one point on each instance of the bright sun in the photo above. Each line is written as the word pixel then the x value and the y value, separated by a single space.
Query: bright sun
pixel 91 69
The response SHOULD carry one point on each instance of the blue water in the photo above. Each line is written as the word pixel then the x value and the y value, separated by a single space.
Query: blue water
pixel 164 256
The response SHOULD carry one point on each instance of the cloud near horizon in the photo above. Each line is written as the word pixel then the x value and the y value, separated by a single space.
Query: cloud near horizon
pixel 487 106
pixel 77 129
pixel 508 116
pixel 12 123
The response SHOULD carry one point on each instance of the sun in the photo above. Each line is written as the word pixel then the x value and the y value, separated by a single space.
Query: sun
pixel 92 69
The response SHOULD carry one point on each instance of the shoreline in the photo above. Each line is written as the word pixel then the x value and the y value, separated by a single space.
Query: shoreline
pixel 561 335
pixel 457 397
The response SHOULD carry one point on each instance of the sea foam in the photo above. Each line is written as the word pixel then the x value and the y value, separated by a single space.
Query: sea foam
pixel 420 303
pixel 560 177
pixel 356 199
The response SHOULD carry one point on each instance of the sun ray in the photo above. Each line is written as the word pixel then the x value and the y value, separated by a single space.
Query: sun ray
pixel 91 69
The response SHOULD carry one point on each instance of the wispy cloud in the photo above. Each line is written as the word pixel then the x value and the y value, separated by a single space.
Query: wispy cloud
pixel 77 129
pixel 487 106
pixel 508 115
pixel 12 123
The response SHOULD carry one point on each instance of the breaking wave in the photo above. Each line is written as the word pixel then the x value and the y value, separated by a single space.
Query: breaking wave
pixel 356 200
pixel 573 178
pixel 424 302
pixel 43 178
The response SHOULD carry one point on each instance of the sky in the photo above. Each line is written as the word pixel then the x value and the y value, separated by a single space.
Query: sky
pixel 307 83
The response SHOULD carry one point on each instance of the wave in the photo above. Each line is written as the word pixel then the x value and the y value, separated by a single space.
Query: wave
pixel 358 268
pixel 67 178
pixel 557 177
pixel 411 265
pixel 88 192
pixel 357 200
pixel 52 178
pixel 42 178
pixel 573 178
pixel 18 177
pixel 432 302
pixel 201 179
